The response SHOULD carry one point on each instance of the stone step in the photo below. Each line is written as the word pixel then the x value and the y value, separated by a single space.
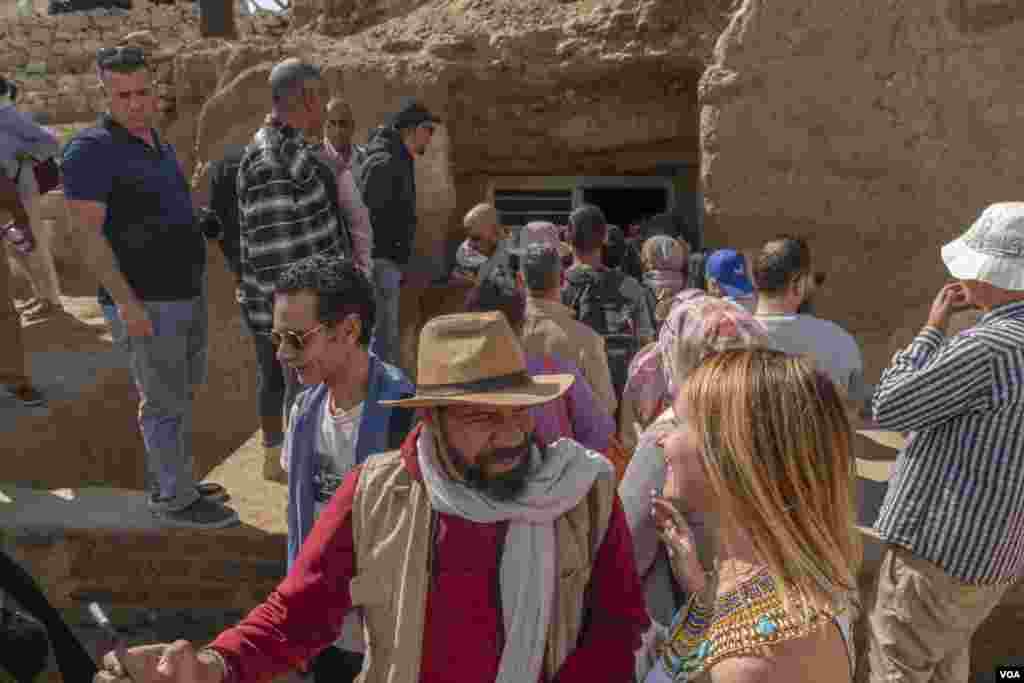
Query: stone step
pixel 101 543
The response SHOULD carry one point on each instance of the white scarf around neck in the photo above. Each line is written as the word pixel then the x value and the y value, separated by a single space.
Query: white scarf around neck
pixel 560 478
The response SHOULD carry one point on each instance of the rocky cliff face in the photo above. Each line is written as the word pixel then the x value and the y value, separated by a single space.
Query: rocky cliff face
pixel 877 130
pixel 524 87
pixel 880 130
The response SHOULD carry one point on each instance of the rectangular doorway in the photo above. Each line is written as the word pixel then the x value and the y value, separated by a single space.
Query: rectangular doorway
pixel 624 206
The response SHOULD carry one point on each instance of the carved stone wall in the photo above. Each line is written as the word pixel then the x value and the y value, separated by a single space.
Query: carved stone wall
pixel 878 129
pixel 52 58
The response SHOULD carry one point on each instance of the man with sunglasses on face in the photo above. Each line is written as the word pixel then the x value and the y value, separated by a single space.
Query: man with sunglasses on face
pixel 323 315
pixel 132 205
pixel 387 180
pixel 786 284
pixel 288 211
pixel 339 126
pixel 338 152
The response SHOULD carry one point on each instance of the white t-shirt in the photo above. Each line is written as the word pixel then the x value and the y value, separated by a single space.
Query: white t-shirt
pixel 336 447
pixel 833 349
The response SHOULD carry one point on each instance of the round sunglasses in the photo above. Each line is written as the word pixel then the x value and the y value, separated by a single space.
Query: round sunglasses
pixel 297 340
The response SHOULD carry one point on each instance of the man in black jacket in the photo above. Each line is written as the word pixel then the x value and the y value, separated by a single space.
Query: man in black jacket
pixel 220 220
pixel 387 181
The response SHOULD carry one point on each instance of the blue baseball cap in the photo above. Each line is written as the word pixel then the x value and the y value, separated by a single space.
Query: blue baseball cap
pixel 728 268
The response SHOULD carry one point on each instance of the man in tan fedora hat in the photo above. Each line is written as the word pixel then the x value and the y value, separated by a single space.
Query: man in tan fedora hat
pixel 953 516
pixel 472 553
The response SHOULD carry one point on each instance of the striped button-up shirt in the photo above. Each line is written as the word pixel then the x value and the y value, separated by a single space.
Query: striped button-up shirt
pixel 956 496
pixel 288 210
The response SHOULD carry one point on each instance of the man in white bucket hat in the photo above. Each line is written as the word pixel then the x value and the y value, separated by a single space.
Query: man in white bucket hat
pixel 473 554
pixel 953 516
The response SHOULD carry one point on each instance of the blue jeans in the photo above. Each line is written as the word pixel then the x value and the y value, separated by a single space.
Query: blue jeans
pixel 167 368
pixel 387 280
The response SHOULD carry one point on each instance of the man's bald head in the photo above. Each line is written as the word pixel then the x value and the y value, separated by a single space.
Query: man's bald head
pixel 483 231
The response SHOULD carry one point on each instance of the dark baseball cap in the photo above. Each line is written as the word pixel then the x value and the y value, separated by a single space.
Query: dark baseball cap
pixel 411 114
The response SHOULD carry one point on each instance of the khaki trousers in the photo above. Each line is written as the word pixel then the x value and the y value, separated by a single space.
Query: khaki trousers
pixel 921 623
pixel 38 264
pixel 12 349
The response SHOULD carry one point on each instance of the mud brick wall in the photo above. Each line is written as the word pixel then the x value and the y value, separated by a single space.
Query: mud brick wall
pixel 52 58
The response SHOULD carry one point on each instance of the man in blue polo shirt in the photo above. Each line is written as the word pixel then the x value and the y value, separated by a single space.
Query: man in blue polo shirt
pixel 132 205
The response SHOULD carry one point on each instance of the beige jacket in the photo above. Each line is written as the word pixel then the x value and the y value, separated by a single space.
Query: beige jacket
pixel 551 329
pixel 391 527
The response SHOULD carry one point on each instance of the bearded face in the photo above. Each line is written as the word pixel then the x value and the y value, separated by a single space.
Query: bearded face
pixel 488 475
pixel 489 447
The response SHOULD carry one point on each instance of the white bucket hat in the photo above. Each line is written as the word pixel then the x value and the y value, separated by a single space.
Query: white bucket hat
pixel 992 250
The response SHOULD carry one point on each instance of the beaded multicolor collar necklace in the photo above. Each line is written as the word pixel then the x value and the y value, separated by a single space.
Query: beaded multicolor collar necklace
pixel 741 622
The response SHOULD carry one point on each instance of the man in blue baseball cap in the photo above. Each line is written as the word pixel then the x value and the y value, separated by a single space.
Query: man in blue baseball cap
pixel 728 277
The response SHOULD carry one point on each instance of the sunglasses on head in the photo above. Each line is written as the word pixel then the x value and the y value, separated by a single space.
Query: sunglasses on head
pixel 114 57
pixel 297 340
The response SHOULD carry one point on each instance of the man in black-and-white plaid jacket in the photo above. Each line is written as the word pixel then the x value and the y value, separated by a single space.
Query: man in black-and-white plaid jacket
pixel 288 210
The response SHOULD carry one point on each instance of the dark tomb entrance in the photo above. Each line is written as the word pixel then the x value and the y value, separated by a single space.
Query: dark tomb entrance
pixel 624 206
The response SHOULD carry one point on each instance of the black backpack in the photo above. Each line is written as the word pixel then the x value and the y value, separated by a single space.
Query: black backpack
pixel 596 298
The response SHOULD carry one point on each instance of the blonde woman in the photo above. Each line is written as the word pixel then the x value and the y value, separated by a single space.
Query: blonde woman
pixel 697 327
pixel 763 444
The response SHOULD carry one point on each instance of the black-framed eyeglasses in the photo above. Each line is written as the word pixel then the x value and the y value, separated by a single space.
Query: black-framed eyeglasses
pixel 126 57
pixel 297 340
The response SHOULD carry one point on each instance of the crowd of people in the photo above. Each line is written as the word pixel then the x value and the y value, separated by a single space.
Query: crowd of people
pixel 627 459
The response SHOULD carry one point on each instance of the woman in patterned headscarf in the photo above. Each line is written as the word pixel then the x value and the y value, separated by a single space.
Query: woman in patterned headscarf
pixel 697 327
pixel 650 387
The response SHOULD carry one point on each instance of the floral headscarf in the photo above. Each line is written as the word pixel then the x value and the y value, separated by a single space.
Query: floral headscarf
pixel 697 326
pixel 647 386
pixel 696 329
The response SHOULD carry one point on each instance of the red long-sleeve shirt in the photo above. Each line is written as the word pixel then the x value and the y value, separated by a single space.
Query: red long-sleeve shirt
pixel 463 632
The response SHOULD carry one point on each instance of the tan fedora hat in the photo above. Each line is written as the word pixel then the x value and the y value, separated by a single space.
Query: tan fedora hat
pixel 475 358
